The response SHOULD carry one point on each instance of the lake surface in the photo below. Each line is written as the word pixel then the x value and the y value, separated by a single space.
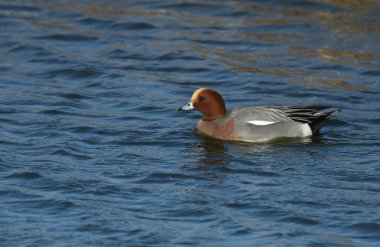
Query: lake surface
pixel 95 153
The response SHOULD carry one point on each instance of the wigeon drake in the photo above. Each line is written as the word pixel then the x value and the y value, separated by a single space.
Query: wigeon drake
pixel 254 123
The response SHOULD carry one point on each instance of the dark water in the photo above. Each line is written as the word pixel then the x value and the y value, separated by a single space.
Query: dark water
pixel 93 151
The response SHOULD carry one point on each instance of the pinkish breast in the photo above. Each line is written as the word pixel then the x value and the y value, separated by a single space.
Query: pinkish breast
pixel 225 131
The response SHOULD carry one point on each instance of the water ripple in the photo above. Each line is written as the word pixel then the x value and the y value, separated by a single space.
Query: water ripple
pixel 94 151
pixel 68 37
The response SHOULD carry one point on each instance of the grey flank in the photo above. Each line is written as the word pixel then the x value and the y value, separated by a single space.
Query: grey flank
pixel 289 121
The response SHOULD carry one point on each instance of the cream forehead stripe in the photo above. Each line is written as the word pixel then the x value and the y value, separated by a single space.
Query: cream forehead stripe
pixel 196 93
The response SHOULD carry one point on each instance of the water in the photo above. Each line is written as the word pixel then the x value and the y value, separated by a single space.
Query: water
pixel 94 152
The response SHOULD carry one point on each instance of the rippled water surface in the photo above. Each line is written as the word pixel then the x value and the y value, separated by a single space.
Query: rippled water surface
pixel 94 152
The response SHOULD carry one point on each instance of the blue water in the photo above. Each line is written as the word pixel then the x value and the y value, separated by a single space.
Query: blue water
pixel 94 153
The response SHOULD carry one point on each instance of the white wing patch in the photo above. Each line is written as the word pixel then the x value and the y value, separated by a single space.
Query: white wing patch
pixel 259 122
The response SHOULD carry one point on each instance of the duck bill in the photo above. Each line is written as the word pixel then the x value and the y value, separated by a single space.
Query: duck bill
pixel 188 106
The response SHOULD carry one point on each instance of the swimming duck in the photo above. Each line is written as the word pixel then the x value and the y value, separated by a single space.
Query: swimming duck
pixel 254 123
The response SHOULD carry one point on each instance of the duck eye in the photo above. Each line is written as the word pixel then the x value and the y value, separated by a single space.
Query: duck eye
pixel 202 98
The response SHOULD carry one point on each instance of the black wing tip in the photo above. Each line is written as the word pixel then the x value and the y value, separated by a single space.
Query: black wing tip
pixel 310 107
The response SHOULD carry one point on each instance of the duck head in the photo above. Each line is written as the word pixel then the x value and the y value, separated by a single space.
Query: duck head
pixel 207 101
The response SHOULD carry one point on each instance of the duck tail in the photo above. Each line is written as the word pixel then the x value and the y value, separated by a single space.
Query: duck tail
pixel 317 122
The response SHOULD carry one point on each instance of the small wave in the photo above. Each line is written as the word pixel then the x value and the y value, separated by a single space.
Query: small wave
pixel 23 8
pixel 371 73
pixel 73 96
pixel 54 112
pixel 169 69
pixel 187 6
pixel 159 177
pixel 109 132
pixel 64 152
pixel 243 231
pixel 9 111
pixel 24 48
pixel 94 22
pixel 170 56
pixel 138 26
pixel 82 129
pixel 369 227
pixel 250 171
pixel 77 73
pixel 176 56
pixel 68 37
pixel 330 67
pixel 308 203
pixel 239 205
pixel 45 205
pixel 299 220
pixel 192 212
pixel 338 122
pixel 146 108
pixel 182 69
pixel 374 121
pixel 24 175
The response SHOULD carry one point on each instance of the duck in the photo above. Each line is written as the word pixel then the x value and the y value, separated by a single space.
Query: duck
pixel 254 123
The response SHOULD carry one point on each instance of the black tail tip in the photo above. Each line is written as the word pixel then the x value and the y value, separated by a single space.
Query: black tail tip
pixel 317 123
pixel 332 113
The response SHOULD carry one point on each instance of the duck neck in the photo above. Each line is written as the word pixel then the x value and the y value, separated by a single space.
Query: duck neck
pixel 215 114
